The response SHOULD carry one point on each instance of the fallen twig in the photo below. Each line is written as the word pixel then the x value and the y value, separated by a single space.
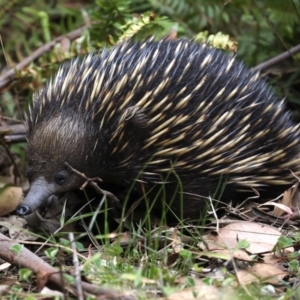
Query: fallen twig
pixel 77 268
pixel 7 76
pixel 13 133
pixel 91 182
pixel 275 60
pixel 45 272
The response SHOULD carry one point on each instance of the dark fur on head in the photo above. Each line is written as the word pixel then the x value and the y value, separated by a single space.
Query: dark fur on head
pixel 149 112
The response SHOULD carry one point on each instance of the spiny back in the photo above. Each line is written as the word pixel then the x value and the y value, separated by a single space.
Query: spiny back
pixel 154 108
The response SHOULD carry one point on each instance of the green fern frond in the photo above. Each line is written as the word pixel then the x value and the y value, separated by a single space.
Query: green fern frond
pixel 218 40
pixel 136 24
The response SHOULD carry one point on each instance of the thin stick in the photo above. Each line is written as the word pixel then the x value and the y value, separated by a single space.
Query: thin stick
pixel 91 182
pixel 275 60
pixel 45 272
pixel 77 268
pixel 7 76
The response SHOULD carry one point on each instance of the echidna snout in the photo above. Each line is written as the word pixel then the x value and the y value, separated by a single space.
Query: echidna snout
pixel 41 190
pixel 145 116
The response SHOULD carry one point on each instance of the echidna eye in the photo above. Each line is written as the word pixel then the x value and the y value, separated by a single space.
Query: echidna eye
pixel 60 178
pixel 29 174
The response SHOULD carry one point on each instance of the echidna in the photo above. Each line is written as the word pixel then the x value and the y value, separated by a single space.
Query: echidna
pixel 155 116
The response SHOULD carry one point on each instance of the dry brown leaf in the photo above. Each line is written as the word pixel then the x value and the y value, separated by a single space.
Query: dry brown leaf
pixel 176 242
pixel 15 226
pixel 172 258
pixel 238 254
pixel 226 254
pixel 261 273
pixel 4 266
pixel 4 289
pixel 262 238
pixel 280 209
pixel 204 292
pixel 10 198
pixel 48 292
pixel 272 259
pixel 123 238
pixel 277 258
pixel 287 202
